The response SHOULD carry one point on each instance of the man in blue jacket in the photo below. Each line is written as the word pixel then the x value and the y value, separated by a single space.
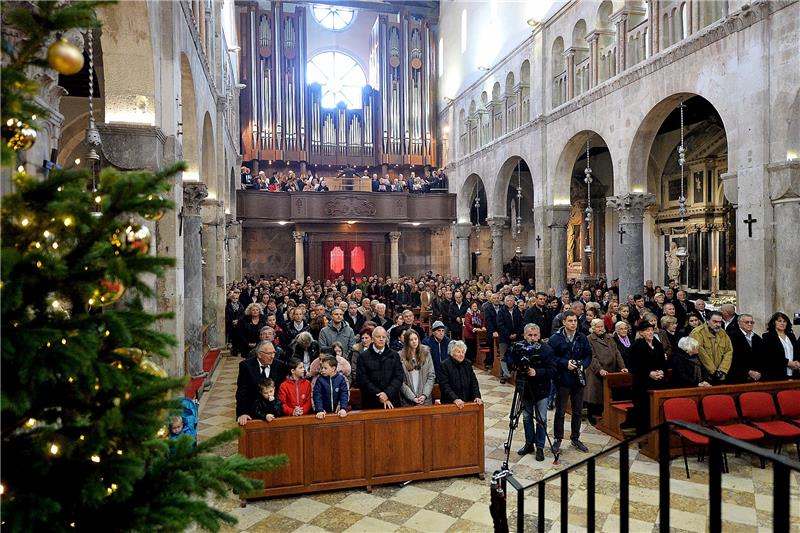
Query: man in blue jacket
pixel 438 342
pixel 573 355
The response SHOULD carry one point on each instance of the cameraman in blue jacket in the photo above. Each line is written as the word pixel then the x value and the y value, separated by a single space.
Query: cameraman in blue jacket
pixel 573 355
pixel 536 365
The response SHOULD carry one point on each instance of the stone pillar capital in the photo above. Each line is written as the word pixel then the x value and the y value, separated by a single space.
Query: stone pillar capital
pixel 496 222
pixel 558 216
pixel 784 181
pixel 631 206
pixel 730 187
pixel 394 236
pixel 194 192
pixel 463 230
pixel 298 236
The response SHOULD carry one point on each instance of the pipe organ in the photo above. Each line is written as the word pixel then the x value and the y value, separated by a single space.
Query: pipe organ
pixel 283 117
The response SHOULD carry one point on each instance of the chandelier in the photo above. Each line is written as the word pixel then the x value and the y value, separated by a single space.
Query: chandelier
pixel 477 226
pixel 588 180
pixel 92 138
pixel 518 220
pixel 682 163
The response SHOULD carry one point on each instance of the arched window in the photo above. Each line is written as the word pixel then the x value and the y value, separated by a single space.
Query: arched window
pixel 333 17
pixel 341 77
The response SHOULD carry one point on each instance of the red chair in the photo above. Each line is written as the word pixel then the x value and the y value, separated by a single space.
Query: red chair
pixel 685 410
pixel 789 403
pixel 759 409
pixel 720 412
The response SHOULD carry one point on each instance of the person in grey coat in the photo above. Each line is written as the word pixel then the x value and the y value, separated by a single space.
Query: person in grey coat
pixel 337 331
pixel 605 358
pixel 418 372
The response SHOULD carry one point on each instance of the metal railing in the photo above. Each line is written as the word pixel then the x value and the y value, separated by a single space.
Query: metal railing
pixel 781 497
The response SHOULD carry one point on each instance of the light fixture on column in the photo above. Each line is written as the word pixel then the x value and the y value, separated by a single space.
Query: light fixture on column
pixel 92 137
pixel 477 225
pixel 681 163
pixel 588 180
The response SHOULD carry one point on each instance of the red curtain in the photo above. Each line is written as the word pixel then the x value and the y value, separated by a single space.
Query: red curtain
pixel 346 258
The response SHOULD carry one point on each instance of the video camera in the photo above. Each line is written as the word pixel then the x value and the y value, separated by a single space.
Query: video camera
pixel 579 372
pixel 526 355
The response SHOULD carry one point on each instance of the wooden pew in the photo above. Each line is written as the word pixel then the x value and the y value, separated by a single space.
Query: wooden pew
pixel 367 448
pixel 356 401
pixel 658 397
pixel 615 411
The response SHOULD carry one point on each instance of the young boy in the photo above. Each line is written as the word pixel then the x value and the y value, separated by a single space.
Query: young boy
pixel 331 394
pixel 295 391
pixel 266 406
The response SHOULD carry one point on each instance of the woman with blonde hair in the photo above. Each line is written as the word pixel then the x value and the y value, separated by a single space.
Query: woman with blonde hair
pixel 418 371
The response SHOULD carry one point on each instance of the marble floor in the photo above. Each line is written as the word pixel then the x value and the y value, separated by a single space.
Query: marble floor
pixel 462 504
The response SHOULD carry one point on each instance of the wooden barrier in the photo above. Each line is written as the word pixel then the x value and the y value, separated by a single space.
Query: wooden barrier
pixel 356 400
pixel 615 411
pixel 367 448
pixel 658 397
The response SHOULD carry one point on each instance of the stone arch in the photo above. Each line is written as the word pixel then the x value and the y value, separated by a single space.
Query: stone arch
pixel 561 178
pixel 466 197
pixel 484 99
pixel 496 91
pixel 500 206
pixel 641 166
pixel 189 137
pixel 130 83
pixel 558 73
pixel 579 34
pixel 509 83
pixel 603 19
pixel 525 72
pixel 208 155
pixel 557 56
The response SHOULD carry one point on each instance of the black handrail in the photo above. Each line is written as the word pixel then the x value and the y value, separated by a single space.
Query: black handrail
pixel 782 467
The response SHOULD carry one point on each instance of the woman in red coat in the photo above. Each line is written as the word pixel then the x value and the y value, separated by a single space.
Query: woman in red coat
pixel 473 322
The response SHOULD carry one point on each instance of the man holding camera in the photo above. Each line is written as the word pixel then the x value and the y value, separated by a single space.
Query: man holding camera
pixel 535 364
pixel 573 354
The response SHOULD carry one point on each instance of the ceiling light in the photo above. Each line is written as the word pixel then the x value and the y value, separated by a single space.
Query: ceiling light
pixel 282 222
pixel 415 223
pixel 351 222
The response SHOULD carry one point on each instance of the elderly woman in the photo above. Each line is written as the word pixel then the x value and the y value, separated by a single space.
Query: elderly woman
pixel 659 334
pixel 457 380
pixel 649 369
pixel 687 370
pixel 418 373
pixel 248 329
pixel 669 325
pixel 623 340
pixel 605 358
pixel 305 348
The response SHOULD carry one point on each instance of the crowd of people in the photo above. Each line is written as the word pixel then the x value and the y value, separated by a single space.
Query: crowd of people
pixel 289 181
pixel 364 333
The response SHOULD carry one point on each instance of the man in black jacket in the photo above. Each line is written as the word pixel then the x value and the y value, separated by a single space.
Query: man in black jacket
pixel 540 315
pixel 457 380
pixel 540 363
pixel 490 310
pixel 380 374
pixel 748 353
pixel 251 372
pixel 509 327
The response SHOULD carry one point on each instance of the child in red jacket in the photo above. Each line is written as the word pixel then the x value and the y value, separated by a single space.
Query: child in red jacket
pixel 295 391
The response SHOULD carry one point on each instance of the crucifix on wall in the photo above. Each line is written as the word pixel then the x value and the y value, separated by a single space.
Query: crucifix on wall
pixel 750 221
pixel 621 233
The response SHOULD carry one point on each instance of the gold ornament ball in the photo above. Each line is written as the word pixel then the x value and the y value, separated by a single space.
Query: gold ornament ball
pixel 132 240
pixel 152 368
pixel 135 354
pixel 65 57
pixel 155 217
pixel 19 135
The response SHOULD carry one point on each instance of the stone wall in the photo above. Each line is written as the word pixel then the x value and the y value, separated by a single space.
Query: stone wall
pixel 267 251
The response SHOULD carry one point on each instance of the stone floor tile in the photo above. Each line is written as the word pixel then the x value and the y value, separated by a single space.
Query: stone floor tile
pixel 430 521
pixel 371 525
pixel 415 496
pixel 360 503
pixel 304 509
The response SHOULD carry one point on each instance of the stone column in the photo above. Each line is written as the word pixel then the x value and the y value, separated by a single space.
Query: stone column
pixel 594 58
pixel 463 232
pixel 394 260
pixel 653 28
pixel 557 218
pixel 496 228
pixel 211 268
pixel 630 208
pixel 299 255
pixel 570 56
pixel 193 195
pixel 620 20
pixel 784 193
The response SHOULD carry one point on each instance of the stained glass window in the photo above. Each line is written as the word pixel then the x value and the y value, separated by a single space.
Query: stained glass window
pixel 357 260
pixel 337 260
pixel 341 77
pixel 334 17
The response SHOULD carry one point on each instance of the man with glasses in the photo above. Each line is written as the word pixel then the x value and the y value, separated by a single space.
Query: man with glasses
pixel 716 350
pixel 748 352
pixel 251 371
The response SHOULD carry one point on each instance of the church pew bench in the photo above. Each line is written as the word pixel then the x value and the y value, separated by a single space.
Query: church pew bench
pixel 658 397
pixel 366 448
pixel 356 401
pixel 615 411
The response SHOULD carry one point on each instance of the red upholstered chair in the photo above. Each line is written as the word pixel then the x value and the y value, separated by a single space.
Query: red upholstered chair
pixel 720 412
pixel 759 409
pixel 789 403
pixel 685 410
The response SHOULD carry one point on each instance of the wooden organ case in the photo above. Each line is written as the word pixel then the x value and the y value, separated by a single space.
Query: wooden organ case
pixel 282 117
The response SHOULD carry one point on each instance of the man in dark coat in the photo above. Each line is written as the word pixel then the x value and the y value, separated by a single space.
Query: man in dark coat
pixel 457 380
pixel 234 311
pixel 408 323
pixel 748 353
pixel 649 369
pixel 251 372
pixel 354 317
pixel 682 307
pixel 380 374
pixel 438 343
pixel 490 310
pixel 573 354
pixel 540 362
pixel 509 328
pixel 540 315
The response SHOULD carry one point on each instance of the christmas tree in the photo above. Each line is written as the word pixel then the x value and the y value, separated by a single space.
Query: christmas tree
pixel 84 401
